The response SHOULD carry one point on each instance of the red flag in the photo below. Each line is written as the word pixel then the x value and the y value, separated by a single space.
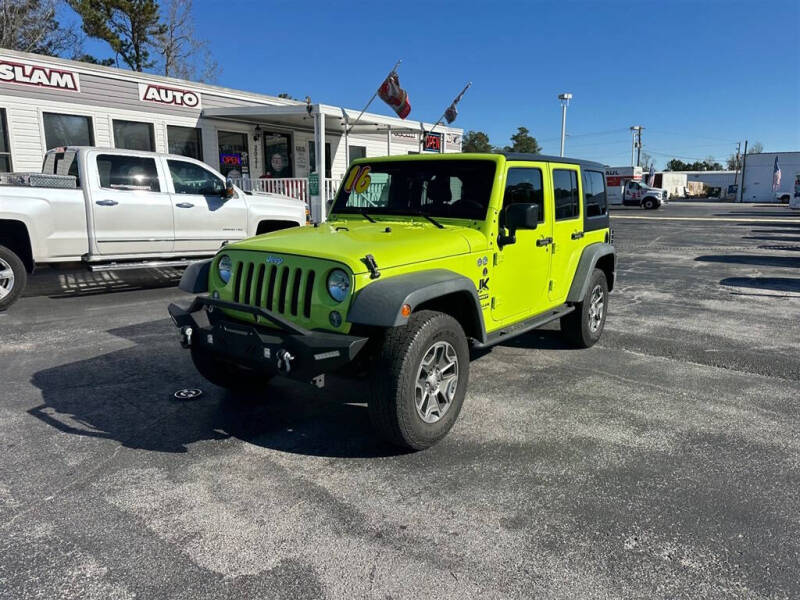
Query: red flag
pixel 395 96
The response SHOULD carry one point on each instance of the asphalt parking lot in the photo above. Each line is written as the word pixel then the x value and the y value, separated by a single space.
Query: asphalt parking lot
pixel 662 463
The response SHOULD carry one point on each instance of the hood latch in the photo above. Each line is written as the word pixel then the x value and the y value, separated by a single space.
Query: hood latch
pixel 369 261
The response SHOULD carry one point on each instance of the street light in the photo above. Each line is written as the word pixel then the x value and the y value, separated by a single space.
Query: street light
pixel 565 98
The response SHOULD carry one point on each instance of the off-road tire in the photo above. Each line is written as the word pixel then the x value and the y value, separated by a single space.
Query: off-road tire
pixel 577 326
pixel 7 257
pixel 227 375
pixel 392 405
pixel 649 204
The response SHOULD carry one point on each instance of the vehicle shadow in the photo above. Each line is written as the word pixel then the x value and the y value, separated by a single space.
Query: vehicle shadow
pixel 127 396
pixel 745 259
pixel 63 283
pixel 772 238
pixel 794 225
pixel 780 284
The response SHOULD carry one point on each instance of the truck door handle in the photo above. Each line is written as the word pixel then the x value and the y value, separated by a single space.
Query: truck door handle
pixel 577 235
pixel 107 202
pixel 544 241
pixel 184 205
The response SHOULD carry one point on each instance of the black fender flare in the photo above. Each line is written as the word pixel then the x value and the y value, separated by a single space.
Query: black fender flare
pixel 591 254
pixel 195 278
pixel 380 303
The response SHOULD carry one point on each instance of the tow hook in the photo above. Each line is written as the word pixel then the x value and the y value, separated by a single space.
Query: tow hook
pixel 285 359
pixel 186 336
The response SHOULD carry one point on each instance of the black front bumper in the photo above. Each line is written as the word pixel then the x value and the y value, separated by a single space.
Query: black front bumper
pixel 291 351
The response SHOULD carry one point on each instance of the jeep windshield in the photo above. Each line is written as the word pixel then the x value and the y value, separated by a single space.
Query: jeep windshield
pixel 457 189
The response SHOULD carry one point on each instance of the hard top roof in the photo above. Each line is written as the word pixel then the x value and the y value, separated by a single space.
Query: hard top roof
pixel 553 159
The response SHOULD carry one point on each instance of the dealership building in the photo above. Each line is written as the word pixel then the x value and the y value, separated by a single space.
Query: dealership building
pixel 264 142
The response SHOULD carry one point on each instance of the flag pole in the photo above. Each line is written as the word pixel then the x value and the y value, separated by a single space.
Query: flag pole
pixel 363 110
pixel 458 99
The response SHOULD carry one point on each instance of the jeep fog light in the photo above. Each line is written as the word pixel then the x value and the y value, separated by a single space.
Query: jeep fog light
pixel 224 268
pixel 338 284
pixel 335 318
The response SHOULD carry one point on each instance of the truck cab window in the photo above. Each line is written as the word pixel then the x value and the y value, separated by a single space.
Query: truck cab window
pixel 524 185
pixel 128 173
pixel 189 178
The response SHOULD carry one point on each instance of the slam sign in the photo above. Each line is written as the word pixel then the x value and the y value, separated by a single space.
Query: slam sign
pixel 38 76
pixel 167 95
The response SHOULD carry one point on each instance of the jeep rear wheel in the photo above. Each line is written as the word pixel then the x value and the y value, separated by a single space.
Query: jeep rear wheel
pixel 584 325
pixel 227 375
pixel 12 277
pixel 418 385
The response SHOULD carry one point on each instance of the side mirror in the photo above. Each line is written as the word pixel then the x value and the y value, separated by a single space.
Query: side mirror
pixel 518 216
pixel 229 191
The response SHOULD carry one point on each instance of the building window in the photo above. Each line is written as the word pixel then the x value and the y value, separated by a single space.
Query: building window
pixel 357 152
pixel 189 178
pixel 565 189
pixel 524 186
pixel 132 135
pixel 67 130
pixel 186 141
pixel 5 148
pixel 234 161
pixel 594 191
pixel 129 173
pixel 312 158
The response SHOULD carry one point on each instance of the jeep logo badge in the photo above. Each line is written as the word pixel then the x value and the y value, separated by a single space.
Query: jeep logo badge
pixel 274 260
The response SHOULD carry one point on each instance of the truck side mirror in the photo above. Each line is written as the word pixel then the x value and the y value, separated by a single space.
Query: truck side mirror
pixel 229 190
pixel 518 216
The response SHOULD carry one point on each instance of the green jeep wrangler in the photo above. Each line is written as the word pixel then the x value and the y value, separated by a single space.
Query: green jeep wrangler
pixel 420 257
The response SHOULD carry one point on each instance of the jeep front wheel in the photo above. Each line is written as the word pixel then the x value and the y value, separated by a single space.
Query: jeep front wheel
pixel 12 277
pixel 419 382
pixel 584 325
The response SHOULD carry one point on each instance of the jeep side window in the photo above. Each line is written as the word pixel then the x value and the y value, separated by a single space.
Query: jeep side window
pixel 524 185
pixel 565 189
pixel 594 193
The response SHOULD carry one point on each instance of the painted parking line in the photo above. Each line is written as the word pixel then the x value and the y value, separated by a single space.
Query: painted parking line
pixel 732 219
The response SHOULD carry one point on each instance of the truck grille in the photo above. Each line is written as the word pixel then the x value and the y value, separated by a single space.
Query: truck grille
pixel 283 289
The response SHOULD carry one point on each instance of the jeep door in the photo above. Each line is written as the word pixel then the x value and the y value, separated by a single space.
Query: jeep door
pixel 204 218
pixel 567 228
pixel 518 285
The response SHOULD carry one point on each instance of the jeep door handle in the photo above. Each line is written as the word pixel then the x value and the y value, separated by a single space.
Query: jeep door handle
pixel 544 241
pixel 184 205
pixel 577 235
pixel 107 202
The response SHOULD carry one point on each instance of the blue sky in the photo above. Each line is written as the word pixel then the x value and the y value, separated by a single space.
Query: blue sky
pixel 699 76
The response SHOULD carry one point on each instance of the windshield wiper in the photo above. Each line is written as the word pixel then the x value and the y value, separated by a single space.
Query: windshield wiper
pixel 419 213
pixel 364 214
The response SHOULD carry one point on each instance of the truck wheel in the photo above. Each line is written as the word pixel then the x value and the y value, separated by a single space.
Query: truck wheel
pixel 12 277
pixel 649 204
pixel 583 326
pixel 227 375
pixel 419 382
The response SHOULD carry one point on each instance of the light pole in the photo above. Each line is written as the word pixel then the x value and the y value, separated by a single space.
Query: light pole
pixel 636 142
pixel 565 98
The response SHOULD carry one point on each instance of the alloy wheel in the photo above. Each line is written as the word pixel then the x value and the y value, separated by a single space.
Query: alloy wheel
pixel 436 383
pixel 596 308
pixel 6 279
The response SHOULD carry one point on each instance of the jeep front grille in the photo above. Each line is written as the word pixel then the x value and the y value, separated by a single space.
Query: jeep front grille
pixel 283 289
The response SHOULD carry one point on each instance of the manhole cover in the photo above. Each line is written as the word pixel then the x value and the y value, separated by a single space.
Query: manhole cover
pixel 188 394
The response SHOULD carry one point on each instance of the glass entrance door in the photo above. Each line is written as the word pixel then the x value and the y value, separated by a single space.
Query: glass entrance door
pixel 278 155
pixel 234 161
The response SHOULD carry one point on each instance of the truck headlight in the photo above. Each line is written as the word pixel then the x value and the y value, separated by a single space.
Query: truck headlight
pixel 224 268
pixel 338 284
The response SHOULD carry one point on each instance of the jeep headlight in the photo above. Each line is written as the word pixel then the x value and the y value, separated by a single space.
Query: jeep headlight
pixel 338 284
pixel 224 268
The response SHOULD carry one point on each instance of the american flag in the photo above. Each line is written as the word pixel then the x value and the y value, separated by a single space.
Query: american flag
pixel 652 175
pixel 394 95
pixel 776 176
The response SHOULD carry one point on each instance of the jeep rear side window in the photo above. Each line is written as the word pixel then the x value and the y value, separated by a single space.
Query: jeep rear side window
pixel 524 186
pixel 565 189
pixel 594 192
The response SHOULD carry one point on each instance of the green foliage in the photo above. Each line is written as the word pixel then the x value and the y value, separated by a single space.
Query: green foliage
pixel 130 27
pixel 522 141
pixel 709 164
pixel 476 141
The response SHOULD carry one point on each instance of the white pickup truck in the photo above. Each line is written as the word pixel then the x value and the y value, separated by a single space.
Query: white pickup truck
pixel 122 209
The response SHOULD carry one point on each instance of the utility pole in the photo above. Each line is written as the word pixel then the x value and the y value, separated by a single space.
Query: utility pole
pixel 744 164
pixel 565 98
pixel 636 145
pixel 736 164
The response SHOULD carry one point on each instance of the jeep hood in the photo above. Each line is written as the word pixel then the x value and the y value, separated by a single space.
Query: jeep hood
pixel 348 241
